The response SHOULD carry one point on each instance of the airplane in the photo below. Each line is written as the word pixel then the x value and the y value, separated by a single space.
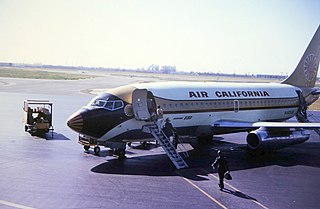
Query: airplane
pixel 203 109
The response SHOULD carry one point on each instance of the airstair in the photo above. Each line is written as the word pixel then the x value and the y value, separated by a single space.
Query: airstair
pixel 165 143
pixel 308 119
pixel 312 118
pixel 302 114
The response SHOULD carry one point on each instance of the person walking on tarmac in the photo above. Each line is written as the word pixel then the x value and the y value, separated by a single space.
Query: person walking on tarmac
pixel 221 165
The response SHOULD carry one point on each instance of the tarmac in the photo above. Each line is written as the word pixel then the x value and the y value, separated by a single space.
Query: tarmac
pixel 55 172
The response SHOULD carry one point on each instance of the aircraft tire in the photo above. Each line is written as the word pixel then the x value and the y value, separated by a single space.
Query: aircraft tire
pixel 96 150
pixel 144 145
pixel 122 153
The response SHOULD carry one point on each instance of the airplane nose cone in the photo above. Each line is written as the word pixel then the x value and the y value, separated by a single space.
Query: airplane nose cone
pixel 75 122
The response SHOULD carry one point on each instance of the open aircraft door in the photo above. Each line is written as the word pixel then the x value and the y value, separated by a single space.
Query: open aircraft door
pixel 140 104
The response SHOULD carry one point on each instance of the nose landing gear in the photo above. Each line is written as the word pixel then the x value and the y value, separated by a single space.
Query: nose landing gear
pixel 119 149
pixel 96 150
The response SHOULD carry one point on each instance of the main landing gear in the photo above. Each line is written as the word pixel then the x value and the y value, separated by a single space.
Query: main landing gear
pixel 120 153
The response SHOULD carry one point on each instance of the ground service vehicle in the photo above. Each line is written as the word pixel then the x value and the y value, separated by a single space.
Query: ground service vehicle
pixel 37 116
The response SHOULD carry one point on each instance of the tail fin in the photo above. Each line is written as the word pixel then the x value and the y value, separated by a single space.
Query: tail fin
pixel 305 74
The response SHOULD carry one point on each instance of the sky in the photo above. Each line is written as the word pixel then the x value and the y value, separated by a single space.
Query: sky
pixel 239 36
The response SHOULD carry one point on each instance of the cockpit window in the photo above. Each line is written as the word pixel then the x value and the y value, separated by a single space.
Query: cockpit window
pixel 98 103
pixel 111 105
pixel 118 104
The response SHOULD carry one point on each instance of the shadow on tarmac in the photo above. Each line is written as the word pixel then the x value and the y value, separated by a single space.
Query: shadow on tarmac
pixel 238 194
pixel 238 159
pixel 51 136
pixel 155 165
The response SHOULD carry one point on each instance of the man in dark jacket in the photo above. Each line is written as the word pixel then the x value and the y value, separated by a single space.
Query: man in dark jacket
pixel 170 131
pixel 221 165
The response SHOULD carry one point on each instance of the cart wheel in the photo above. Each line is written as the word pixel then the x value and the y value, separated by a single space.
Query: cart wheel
pixel 86 148
pixel 96 150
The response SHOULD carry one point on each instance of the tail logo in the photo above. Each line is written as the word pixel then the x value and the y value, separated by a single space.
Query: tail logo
pixel 310 67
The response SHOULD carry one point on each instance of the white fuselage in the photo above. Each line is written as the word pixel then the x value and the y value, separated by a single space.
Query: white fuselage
pixel 197 106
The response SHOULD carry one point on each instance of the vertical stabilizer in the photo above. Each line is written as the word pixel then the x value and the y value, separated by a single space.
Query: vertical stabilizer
pixel 305 74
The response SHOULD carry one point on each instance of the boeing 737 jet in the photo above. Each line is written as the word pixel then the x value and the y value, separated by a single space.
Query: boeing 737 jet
pixel 203 109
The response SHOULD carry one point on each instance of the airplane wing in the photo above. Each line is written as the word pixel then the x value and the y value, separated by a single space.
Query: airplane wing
pixel 287 125
pixel 237 124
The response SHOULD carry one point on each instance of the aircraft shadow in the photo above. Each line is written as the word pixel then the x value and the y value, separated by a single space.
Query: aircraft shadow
pixel 152 165
pixel 200 161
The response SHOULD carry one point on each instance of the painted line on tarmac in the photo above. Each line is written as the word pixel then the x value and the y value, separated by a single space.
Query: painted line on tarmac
pixel 232 187
pixel 203 192
pixel 14 205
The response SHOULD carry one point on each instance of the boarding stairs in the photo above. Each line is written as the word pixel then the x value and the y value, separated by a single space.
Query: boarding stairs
pixel 302 114
pixel 165 143
pixel 304 118
pixel 313 118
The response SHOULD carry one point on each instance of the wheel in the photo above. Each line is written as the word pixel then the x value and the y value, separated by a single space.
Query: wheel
pixel 25 128
pixel 86 148
pixel 144 145
pixel 121 153
pixel 96 150
pixel 116 152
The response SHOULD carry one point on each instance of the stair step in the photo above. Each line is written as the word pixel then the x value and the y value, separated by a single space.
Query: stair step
pixel 170 150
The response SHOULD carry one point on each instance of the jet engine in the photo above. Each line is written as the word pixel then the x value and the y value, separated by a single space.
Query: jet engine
pixel 272 139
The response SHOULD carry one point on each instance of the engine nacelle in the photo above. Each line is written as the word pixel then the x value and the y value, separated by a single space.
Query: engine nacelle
pixel 272 139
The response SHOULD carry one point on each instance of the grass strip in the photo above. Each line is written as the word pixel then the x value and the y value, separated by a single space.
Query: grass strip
pixel 40 74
